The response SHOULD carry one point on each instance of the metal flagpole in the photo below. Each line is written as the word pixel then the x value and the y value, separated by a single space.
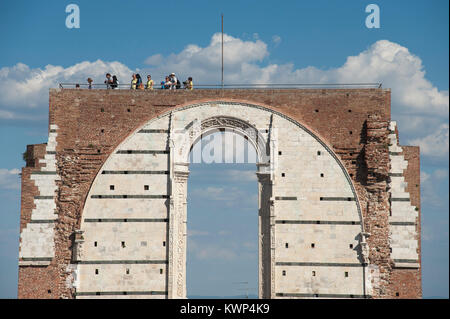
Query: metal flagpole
pixel 222 51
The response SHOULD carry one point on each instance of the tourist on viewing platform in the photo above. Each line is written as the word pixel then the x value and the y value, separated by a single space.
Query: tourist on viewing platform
pixel 139 83
pixel 133 82
pixel 115 82
pixel 167 83
pixel 149 82
pixel 108 81
pixel 175 83
pixel 190 84
pixel 89 80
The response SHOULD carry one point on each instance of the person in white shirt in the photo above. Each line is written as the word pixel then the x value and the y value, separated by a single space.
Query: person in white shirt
pixel 174 81
pixel 108 81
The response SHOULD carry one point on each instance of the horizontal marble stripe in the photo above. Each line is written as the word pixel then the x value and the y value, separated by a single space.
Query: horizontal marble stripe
pixel 116 293
pixel 129 196
pixel 318 264
pixel 36 258
pixel 406 261
pixel 348 199
pixel 43 197
pixel 136 172
pixel 395 174
pixel 402 223
pixel 317 222
pixel 126 220
pixel 397 199
pixel 153 131
pixel 142 152
pixel 121 262
pixel 285 294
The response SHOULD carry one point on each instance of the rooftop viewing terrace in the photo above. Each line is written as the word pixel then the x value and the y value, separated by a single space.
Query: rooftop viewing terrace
pixel 160 86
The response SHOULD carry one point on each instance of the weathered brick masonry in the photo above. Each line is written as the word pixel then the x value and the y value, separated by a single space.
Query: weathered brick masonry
pixel 90 124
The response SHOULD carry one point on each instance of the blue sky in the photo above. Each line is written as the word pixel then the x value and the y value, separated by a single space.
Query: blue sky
pixel 285 42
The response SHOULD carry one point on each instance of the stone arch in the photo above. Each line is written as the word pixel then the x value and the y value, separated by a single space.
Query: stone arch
pixel 163 144
pixel 235 125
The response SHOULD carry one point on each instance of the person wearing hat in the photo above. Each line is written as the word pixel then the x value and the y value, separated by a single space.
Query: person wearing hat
pixel 174 81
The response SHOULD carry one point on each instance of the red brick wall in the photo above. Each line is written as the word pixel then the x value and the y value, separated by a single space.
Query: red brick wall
pixel 92 123
pixel 32 156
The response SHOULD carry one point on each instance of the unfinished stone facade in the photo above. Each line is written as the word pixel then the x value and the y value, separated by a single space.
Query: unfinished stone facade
pixel 103 211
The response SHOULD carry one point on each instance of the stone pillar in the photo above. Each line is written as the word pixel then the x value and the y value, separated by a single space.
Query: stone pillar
pixel 376 221
pixel 266 243
pixel 178 232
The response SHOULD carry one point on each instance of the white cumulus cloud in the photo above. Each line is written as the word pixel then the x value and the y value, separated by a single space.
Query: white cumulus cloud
pixel 276 39
pixel 9 178
pixel 204 63
pixel 24 89
pixel 434 144
pixel 419 107
pixel 430 182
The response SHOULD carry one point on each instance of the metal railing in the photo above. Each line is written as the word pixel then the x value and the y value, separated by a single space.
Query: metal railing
pixel 98 86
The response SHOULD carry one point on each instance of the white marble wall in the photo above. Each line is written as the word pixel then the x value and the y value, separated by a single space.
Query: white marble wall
pixel 403 233
pixel 37 243
pixel 302 167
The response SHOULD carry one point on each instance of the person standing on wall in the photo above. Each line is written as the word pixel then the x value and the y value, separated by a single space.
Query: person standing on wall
pixel 167 83
pixel 108 81
pixel 174 81
pixel 133 81
pixel 149 82
pixel 139 83
pixel 115 82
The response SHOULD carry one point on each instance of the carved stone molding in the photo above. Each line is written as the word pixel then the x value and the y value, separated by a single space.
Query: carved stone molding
pixel 77 248
pixel 177 235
